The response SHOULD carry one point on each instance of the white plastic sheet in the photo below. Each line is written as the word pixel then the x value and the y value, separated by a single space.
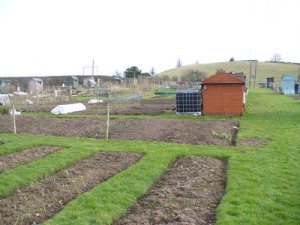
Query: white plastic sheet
pixel 68 108
pixel 94 101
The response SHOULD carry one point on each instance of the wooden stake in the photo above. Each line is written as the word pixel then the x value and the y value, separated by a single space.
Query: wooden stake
pixel 14 118
pixel 107 123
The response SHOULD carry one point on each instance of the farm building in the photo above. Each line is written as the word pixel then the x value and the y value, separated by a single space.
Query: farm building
pixel 223 94
pixel 35 86
pixel 5 86
pixel 288 84
pixel 73 82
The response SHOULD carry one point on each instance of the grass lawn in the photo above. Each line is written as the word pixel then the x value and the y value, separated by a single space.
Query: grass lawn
pixel 263 184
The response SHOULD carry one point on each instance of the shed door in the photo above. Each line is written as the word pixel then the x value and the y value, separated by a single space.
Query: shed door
pixel 223 99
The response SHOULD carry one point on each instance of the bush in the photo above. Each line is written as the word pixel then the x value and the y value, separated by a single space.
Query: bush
pixel 4 110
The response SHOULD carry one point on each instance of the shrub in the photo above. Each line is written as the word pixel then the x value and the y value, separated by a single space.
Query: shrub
pixel 4 110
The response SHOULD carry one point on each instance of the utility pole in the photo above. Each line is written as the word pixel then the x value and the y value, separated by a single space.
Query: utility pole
pixel 253 70
pixel 93 70
pixel 93 67
pixel 134 82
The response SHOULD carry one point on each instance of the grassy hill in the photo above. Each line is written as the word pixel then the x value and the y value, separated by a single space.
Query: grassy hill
pixel 264 69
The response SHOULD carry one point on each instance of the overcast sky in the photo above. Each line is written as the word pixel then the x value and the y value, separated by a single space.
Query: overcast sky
pixel 60 37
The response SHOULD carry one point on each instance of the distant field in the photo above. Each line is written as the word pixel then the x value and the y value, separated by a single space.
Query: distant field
pixel 264 69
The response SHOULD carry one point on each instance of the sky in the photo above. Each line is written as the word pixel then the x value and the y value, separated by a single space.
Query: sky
pixel 63 37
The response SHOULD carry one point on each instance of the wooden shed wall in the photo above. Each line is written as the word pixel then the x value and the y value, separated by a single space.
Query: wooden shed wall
pixel 223 99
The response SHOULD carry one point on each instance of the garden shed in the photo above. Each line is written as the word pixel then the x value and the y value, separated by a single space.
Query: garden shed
pixel 288 84
pixel 4 86
pixel 35 86
pixel 89 82
pixel 223 94
pixel 270 82
pixel 73 82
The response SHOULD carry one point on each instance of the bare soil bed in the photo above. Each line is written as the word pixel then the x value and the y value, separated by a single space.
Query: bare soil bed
pixel 145 107
pixel 40 201
pixel 188 194
pixel 16 159
pixel 166 130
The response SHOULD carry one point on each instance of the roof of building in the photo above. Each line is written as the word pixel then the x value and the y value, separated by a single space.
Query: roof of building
pixel 223 78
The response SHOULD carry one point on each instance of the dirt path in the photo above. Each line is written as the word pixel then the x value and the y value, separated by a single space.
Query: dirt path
pixel 40 201
pixel 194 132
pixel 187 194
pixel 19 158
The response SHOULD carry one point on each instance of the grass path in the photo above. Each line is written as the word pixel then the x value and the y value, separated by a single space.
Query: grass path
pixel 263 183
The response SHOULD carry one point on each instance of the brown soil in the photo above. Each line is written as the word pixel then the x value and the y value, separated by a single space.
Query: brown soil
pixel 175 131
pixel 40 201
pixel 167 130
pixel 16 159
pixel 145 107
pixel 187 194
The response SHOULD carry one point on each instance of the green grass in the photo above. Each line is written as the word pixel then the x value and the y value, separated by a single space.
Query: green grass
pixel 263 183
pixel 264 69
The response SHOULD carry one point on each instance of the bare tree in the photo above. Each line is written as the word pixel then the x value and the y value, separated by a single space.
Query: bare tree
pixel 276 57
pixel 118 74
pixel 179 63
pixel 152 71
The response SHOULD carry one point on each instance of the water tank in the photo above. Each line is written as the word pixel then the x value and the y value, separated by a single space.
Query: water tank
pixel 188 102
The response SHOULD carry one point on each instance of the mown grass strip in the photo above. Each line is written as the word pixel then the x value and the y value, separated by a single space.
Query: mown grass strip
pixel 263 187
pixel 166 115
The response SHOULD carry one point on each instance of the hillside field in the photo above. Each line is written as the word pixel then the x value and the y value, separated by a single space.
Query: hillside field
pixel 264 69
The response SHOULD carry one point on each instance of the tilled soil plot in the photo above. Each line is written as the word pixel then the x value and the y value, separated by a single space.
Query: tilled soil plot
pixel 16 159
pixel 167 130
pixel 176 131
pixel 145 107
pixel 40 201
pixel 188 194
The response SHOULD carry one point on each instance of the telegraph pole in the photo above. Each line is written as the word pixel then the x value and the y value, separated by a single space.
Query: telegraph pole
pixel 253 70
pixel 93 70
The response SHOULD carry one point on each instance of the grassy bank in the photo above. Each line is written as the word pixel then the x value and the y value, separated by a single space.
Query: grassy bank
pixel 264 69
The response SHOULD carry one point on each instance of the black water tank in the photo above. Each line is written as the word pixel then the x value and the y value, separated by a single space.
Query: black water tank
pixel 188 102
